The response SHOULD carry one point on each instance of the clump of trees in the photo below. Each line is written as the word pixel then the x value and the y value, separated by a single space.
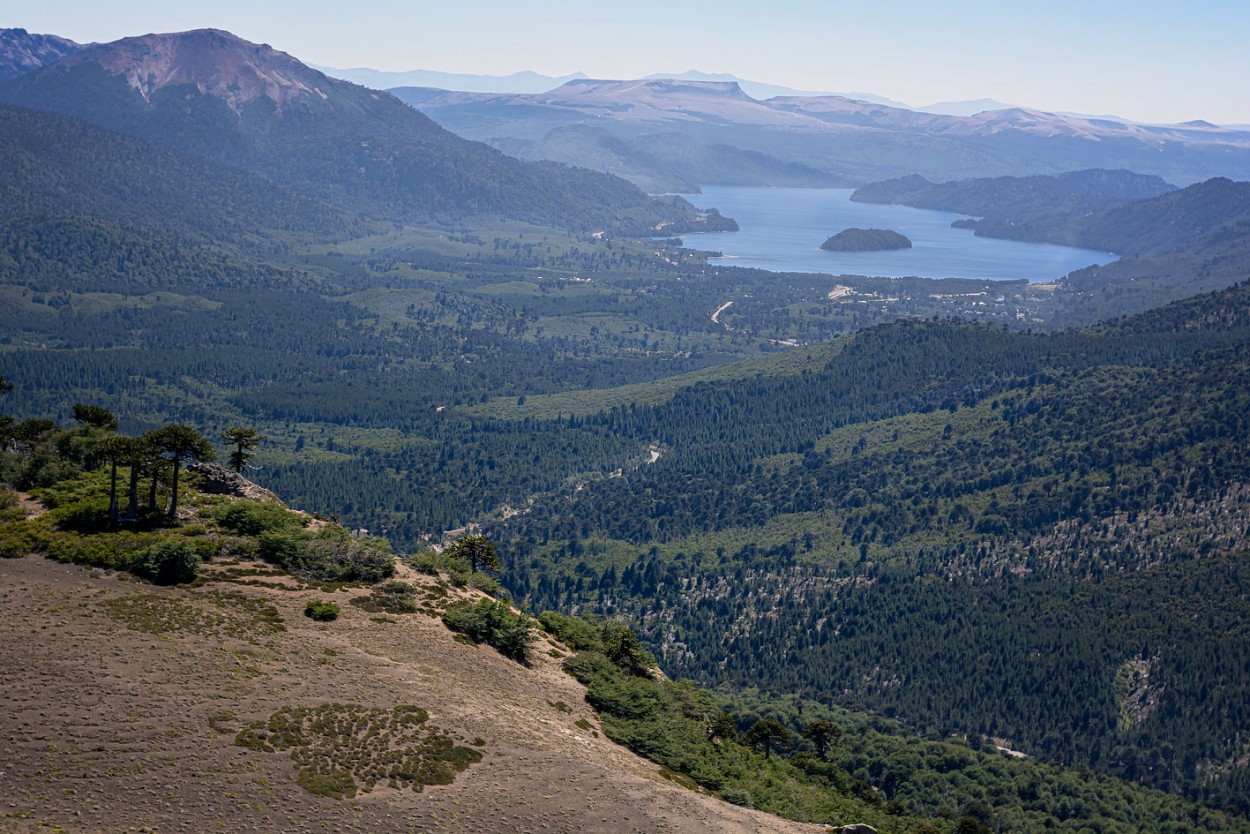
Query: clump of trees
pixel 79 473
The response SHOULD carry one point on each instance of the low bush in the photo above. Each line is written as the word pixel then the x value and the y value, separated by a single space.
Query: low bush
pixel 574 632
pixel 330 555
pixel 168 562
pixel 390 597
pixel 87 515
pixel 252 518
pixel 494 623
pixel 615 640
pixel 114 551
pixel 322 611
pixel 18 538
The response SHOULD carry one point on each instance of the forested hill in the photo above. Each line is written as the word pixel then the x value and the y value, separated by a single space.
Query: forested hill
pixel 1192 240
pixel 214 95
pixel 1212 215
pixel 1017 199
pixel 971 529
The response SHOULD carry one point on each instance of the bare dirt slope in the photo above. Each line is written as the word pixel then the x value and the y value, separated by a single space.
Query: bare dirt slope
pixel 121 702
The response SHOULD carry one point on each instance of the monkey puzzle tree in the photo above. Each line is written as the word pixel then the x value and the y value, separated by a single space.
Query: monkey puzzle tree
pixel 823 734
pixel 95 416
pixel 176 444
pixel 245 442
pixel 767 735
pixel 477 551
pixel 115 450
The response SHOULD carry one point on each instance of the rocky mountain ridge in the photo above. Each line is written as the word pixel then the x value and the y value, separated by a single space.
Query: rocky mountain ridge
pixel 22 51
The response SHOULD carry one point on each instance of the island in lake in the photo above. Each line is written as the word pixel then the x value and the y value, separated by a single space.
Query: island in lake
pixel 866 240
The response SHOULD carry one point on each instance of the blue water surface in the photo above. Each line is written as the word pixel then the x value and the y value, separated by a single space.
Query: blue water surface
pixel 781 229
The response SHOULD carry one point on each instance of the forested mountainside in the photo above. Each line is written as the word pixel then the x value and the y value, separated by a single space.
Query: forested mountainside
pixel 60 168
pixel 972 529
pixel 1211 215
pixel 408 691
pixel 1018 199
pixel 254 108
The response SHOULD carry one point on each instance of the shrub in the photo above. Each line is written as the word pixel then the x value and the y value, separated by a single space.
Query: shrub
pixel 88 515
pixel 586 666
pixel 280 547
pixel 391 597
pixel 169 562
pixel 494 623
pixel 576 633
pixel 428 562
pixel 321 611
pixel 615 640
pixel 331 555
pixel 18 538
pixel 252 518
pixel 485 583
pixel 10 509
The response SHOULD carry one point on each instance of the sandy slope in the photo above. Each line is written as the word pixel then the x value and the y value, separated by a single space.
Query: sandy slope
pixel 105 728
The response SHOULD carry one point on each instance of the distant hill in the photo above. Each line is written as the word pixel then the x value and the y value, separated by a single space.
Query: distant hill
pixel 517 82
pixel 1213 216
pixel 21 52
pixel 1017 198
pixel 212 94
pixel 666 162
pixel 1174 243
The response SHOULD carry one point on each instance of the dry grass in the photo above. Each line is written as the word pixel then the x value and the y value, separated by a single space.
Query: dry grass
pixel 123 703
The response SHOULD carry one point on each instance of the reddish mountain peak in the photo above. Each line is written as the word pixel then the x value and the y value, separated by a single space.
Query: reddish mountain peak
pixel 217 63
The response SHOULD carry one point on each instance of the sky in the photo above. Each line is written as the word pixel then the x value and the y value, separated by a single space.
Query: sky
pixel 1146 60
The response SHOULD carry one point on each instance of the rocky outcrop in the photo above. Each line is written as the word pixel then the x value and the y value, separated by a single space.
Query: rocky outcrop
pixel 218 480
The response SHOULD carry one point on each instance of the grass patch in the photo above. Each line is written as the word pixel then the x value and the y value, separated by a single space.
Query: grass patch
pixel 207 614
pixel 345 749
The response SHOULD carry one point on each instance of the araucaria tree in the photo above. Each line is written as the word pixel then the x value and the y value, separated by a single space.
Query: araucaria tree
pixel 179 443
pixel 245 442
pixel 767 735
pixel 477 551
pixel 823 734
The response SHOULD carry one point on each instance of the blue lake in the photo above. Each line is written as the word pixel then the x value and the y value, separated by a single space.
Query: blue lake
pixel 782 229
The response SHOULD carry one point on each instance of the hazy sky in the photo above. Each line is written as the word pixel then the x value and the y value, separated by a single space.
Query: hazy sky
pixel 1150 60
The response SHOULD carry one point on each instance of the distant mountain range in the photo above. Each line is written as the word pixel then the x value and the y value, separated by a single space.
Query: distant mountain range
pixel 533 82
pixel 852 140
pixel 215 96
pixel 333 140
